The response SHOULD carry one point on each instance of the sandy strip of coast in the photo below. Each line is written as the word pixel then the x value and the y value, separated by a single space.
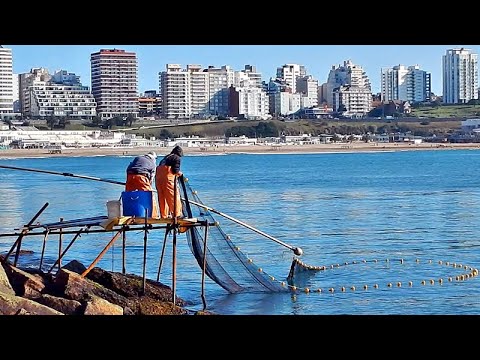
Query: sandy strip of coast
pixel 259 149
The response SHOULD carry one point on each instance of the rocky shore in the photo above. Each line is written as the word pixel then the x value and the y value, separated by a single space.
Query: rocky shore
pixel 32 292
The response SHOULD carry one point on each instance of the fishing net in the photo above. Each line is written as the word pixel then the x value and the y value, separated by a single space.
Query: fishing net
pixel 225 263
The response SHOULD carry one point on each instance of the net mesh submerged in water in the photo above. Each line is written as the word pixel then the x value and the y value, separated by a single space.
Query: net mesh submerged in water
pixel 225 263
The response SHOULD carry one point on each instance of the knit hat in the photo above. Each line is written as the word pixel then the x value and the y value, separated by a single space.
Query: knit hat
pixel 152 155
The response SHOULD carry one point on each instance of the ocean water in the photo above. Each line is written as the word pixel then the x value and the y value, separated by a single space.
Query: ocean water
pixel 395 230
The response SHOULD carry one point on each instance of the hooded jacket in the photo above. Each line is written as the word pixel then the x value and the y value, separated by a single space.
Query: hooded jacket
pixel 173 159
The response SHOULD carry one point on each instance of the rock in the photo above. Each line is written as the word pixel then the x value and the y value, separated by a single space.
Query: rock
pixel 132 286
pixel 98 306
pixel 23 283
pixel 71 285
pixel 22 311
pixel 5 285
pixel 149 306
pixel 75 266
pixel 11 305
pixel 65 306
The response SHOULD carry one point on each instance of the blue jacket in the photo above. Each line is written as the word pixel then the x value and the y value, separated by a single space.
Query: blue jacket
pixel 142 165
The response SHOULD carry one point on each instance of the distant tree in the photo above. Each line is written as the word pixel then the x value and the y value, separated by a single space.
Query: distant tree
pixel 52 120
pixel 108 123
pixel 131 119
pixel 96 121
pixel 266 129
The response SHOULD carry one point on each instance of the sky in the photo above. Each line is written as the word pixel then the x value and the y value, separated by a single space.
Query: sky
pixel 318 59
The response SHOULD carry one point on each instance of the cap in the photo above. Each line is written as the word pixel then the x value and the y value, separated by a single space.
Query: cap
pixel 152 155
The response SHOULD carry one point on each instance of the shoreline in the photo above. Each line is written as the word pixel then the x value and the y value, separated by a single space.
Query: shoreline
pixel 238 149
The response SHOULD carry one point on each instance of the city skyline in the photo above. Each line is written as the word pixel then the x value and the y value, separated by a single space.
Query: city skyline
pixel 317 59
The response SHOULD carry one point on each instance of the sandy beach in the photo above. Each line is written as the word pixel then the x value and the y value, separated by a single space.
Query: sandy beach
pixel 258 149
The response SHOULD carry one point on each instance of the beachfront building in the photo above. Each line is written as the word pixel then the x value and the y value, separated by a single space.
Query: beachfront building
pixel 308 87
pixel 16 94
pixel 27 80
pixel 346 74
pixel 251 72
pixel 199 93
pixel 352 101
pixel 175 92
pixel 34 139
pixel 290 73
pixel 114 78
pixel 219 82
pixel 250 103
pixel 460 76
pixel 6 82
pixel 52 97
pixel 405 83
pixel 150 103
pixel 285 103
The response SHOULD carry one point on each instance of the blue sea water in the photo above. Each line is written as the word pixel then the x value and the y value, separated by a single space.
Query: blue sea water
pixel 395 230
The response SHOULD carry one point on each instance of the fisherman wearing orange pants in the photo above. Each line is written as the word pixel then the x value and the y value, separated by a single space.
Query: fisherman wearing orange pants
pixel 165 177
pixel 140 174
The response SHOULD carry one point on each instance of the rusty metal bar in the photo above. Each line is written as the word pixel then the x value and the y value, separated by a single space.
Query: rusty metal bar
pixel 163 252
pixel 145 235
pixel 17 243
pixel 43 249
pixel 60 238
pixel 174 243
pixel 97 259
pixel 77 235
pixel 204 301
pixel 124 244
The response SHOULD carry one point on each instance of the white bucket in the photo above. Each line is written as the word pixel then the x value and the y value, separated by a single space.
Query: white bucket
pixel 114 209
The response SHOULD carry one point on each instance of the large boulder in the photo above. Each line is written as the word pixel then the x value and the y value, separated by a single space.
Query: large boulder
pixel 5 285
pixel 71 285
pixel 16 305
pixel 65 306
pixel 130 285
pixel 23 283
pixel 98 306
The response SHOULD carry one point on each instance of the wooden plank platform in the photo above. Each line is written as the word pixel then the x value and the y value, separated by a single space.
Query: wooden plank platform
pixel 111 223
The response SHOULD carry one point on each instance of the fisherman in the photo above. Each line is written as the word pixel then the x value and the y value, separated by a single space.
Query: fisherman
pixel 166 175
pixel 140 175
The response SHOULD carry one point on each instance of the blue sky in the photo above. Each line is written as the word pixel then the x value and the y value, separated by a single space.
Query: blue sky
pixel 318 59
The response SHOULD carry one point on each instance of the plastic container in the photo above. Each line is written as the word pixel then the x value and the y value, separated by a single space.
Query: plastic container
pixel 114 209
pixel 134 203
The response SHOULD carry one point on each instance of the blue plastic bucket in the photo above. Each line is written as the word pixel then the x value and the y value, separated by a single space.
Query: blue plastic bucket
pixel 134 203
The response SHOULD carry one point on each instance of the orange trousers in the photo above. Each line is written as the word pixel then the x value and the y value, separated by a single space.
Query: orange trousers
pixel 141 183
pixel 165 184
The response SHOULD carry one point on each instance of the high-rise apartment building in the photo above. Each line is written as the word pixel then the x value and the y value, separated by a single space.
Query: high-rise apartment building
pixel 346 74
pixel 290 73
pixel 114 78
pixel 44 95
pixel 6 82
pixel 406 84
pixel 460 76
